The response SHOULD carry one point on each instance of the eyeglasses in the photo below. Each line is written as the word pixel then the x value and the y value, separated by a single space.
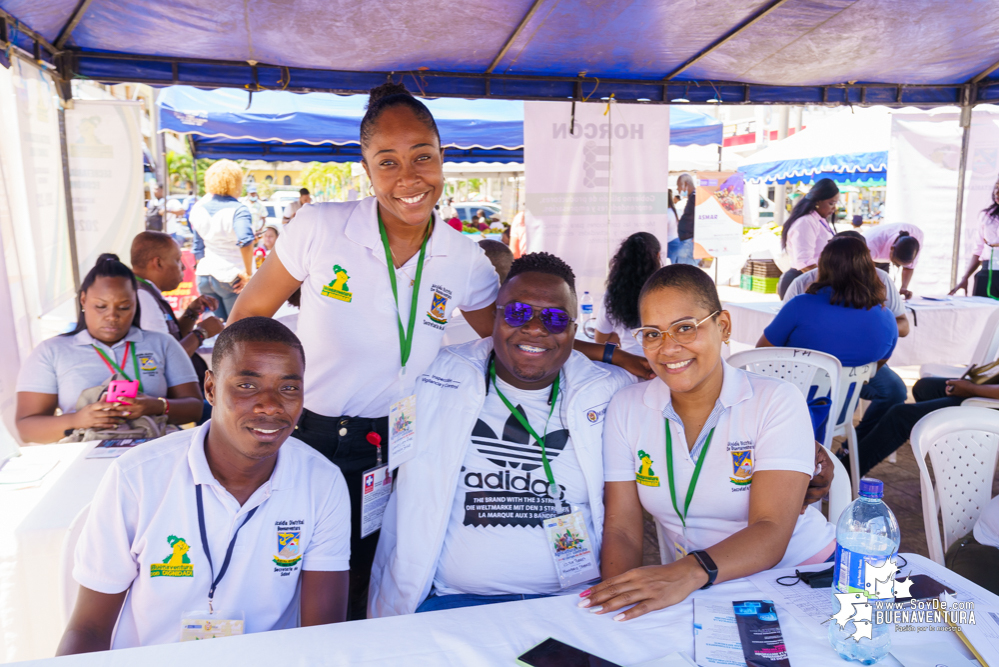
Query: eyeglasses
pixel 684 331
pixel 517 314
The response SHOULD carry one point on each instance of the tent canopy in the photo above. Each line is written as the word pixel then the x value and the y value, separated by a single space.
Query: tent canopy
pixel 898 52
pixel 848 148
pixel 277 125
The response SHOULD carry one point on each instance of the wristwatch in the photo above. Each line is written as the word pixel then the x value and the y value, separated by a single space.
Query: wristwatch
pixel 609 352
pixel 704 560
pixel 200 334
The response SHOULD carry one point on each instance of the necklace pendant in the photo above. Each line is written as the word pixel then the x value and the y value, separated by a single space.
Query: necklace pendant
pixel 412 282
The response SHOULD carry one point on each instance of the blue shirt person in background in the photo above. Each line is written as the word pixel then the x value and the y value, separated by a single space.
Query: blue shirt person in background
pixel 842 313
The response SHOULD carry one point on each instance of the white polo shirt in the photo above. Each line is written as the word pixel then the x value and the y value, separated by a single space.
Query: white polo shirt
pixel 66 365
pixel 762 424
pixel 348 323
pixel 143 536
pixel 880 239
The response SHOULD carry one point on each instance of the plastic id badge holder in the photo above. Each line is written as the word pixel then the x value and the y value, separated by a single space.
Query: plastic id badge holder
pixel 376 489
pixel 571 548
pixel 402 425
pixel 203 624
pixel 681 547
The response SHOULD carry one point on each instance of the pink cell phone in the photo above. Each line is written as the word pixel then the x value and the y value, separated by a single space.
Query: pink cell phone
pixel 119 389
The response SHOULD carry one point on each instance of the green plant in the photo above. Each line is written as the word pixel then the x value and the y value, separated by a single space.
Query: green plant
pixel 331 179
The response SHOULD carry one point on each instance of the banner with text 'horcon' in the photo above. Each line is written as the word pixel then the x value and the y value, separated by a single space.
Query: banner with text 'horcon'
pixel 595 174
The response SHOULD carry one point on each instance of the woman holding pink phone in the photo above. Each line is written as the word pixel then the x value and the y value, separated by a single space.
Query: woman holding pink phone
pixel 158 376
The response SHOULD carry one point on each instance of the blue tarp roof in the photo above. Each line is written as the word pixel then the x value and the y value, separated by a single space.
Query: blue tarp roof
pixel 916 52
pixel 275 125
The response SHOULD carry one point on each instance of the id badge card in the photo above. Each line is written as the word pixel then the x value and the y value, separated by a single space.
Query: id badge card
pixel 571 548
pixel 203 624
pixel 994 260
pixel 402 430
pixel 681 547
pixel 376 487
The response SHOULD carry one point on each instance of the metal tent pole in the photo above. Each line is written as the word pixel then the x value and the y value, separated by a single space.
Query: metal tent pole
pixel 74 258
pixel 962 167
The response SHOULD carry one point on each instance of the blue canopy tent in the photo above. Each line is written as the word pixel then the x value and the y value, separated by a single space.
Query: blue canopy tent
pixel 658 51
pixel 276 125
pixel 850 149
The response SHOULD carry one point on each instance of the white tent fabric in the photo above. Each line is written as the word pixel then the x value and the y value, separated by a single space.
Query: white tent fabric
pixel 853 142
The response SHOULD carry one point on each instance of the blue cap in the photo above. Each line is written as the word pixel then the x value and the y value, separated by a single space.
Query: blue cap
pixel 251 188
pixel 871 488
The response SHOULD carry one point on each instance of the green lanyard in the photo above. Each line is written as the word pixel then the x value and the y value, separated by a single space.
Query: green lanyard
pixel 115 368
pixel 405 337
pixel 693 480
pixel 552 488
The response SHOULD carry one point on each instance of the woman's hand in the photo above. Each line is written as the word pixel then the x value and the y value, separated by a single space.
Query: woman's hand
pixel 961 285
pixel 634 364
pixel 99 415
pixel 141 406
pixel 647 588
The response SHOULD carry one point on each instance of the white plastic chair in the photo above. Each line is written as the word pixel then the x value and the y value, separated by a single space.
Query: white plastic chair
pixel 986 352
pixel 840 491
pixel 962 444
pixel 851 381
pixel 68 588
pixel 813 373
pixel 979 402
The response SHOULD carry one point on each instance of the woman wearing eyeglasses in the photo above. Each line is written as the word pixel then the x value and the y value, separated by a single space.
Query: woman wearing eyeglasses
pixel 721 458
pixel 370 327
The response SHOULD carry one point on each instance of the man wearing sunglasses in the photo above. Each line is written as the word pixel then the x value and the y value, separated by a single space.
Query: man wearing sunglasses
pixel 510 436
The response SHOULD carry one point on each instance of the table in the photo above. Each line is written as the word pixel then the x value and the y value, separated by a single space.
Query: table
pixel 33 525
pixel 492 635
pixel 940 332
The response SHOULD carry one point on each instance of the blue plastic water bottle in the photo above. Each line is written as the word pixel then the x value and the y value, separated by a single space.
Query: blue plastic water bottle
pixel 867 532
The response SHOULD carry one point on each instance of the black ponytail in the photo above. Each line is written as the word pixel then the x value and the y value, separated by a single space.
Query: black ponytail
pixel 107 266
pixel 636 259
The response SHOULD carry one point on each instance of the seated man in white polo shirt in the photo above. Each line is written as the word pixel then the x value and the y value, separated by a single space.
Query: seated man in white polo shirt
pixel 231 517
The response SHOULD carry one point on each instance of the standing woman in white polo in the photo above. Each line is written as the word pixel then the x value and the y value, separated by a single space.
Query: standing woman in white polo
pixel 363 318
pixel 720 457
pixel 984 253
pixel 807 231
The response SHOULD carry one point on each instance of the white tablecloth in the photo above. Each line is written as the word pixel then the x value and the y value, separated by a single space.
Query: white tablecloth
pixel 494 635
pixel 33 525
pixel 940 332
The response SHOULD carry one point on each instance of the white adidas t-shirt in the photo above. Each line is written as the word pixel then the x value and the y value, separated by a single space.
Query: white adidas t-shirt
pixel 495 544
pixel 764 425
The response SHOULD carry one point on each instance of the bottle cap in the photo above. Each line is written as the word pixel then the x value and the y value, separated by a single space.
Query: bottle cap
pixel 871 488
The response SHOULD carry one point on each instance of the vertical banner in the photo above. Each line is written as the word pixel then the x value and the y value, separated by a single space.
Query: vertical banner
pixel 593 180
pixel 104 143
pixel 923 159
pixel 980 176
pixel 8 328
pixel 45 229
pixel 718 226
